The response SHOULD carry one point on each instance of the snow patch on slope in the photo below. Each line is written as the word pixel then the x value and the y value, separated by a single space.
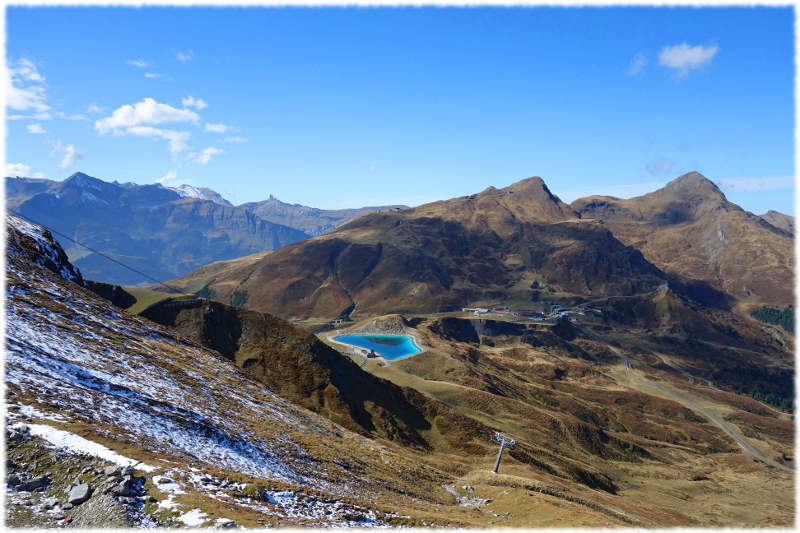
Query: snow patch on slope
pixel 77 444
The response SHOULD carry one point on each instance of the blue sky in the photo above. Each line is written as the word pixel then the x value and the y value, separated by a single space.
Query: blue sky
pixel 348 107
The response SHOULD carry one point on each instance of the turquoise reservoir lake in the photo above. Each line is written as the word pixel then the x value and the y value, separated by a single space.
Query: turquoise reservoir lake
pixel 390 347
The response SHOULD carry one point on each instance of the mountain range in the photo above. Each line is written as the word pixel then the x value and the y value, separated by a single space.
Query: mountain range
pixel 161 232
pixel 309 219
pixel 515 245
pixel 230 416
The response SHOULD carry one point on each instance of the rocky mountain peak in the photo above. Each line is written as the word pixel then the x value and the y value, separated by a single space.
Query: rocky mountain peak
pixel 694 184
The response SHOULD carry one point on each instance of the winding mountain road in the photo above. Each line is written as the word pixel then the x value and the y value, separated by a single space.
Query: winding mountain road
pixel 687 401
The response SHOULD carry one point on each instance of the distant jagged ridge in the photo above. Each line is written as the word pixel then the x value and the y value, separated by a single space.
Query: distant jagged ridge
pixel 309 219
pixel 148 227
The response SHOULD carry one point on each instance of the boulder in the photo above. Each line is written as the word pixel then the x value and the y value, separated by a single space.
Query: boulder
pixel 79 493
pixel 226 523
pixel 13 480
pixel 111 470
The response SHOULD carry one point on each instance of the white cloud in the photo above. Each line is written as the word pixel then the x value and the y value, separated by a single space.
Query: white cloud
pixel 235 140
pixel 638 62
pixel 71 155
pixel 25 89
pixel 28 71
pixel 148 111
pixel 191 101
pixel 139 63
pixel 756 183
pixel 206 154
pixel 185 57
pixel 169 176
pixel 217 128
pixel 39 175
pixel 177 139
pixel 95 109
pixel 63 115
pixel 684 58
pixel 36 128
pixel 35 116
pixel 153 75
pixel 17 170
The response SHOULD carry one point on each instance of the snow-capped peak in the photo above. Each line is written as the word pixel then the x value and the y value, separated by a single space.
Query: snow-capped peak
pixel 203 193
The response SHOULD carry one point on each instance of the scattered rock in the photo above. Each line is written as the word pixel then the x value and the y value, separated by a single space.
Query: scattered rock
pixel 123 488
pixel 226 523
pixel 13 480
pixel 49 503
pixel 111 470
pixel 67 506
pixel 34 484
pixel 79 493
pixel 164 481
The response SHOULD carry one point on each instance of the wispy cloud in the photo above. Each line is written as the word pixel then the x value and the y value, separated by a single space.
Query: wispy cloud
pixel 71 154
pixel 235 140
pixel 755 183
pixel 138 63
pixel 184 57
pixel 77 116
pixel 177 139
pixel 684 58
pixel 36 129
pixel 206 154
pixel 217 128
pixel 153 76
pixel 169 176
pixel 191 101
pixel 660 165
pixel 25 90
pixel 637 64
pixel 95 109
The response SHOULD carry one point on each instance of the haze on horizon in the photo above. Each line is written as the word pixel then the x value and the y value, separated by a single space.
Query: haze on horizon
pixel 349 107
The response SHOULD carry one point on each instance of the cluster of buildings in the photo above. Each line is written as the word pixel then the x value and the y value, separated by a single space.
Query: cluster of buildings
pixel 556 311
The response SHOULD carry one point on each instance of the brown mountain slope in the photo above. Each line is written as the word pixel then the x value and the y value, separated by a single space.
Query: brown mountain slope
pixel 688 228
pixel 301 368
pixel 311 220
pixel 780 221
pixel 489 247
